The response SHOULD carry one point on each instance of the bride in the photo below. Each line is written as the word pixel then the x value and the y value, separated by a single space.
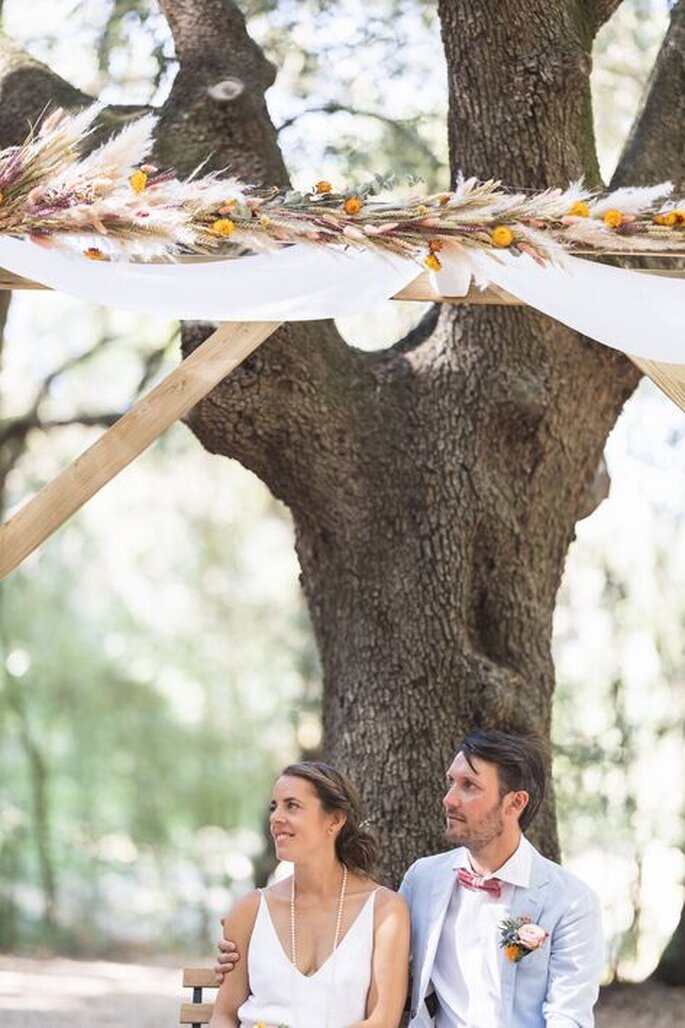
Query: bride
pixel 327 947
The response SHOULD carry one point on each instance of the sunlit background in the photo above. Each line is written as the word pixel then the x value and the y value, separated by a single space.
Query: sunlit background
pixel 158 661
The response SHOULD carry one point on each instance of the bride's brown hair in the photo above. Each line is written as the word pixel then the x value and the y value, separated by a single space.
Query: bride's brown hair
pixel 355 846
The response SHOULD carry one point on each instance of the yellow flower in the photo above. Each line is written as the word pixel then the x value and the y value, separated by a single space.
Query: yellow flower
pixel 323 187
pixel 432 262
pixel 352 205
pixel 138 181
pixel 265 221
pixel 422 209
pixel 669 218
pixel 223 227
pixel 613 219
pixel 444 199
pixel 579 209
pixel 502 236
pixel 94 254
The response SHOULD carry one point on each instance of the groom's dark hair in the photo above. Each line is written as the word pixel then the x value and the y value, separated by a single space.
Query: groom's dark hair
pixel 521 762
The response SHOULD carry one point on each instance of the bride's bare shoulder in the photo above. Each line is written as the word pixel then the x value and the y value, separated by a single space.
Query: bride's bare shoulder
pixel 390 903
pixel 243 914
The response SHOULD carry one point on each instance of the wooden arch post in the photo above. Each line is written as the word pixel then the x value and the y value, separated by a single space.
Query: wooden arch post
pixel 195 376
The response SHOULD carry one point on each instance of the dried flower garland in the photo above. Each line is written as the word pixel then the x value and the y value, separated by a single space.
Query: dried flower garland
pixel 113 204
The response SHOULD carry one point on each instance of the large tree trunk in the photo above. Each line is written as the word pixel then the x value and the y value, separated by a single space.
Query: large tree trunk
pixel 435 507
pixel 434 486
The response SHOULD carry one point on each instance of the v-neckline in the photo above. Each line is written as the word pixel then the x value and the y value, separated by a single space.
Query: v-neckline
pixel 330 956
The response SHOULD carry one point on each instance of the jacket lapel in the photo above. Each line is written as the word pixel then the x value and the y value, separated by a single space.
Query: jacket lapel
pixel 526 903
pixel 441 892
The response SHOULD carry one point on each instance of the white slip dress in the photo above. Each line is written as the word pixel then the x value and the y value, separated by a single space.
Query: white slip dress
pixel 334 996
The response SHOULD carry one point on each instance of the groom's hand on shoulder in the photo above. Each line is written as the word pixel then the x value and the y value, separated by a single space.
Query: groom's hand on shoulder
pixel 227 957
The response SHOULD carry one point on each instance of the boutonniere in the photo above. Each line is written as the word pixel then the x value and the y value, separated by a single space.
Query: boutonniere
pixel 519 936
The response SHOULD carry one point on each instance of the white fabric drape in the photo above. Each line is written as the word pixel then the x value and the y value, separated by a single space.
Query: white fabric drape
pixel 297 283
pixel 640 314
pixel 632 311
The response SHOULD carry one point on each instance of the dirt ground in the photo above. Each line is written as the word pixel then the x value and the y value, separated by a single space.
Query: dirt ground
pixel 59 993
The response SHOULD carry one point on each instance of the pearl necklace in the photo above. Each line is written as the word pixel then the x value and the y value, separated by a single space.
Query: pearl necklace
pixel 338 920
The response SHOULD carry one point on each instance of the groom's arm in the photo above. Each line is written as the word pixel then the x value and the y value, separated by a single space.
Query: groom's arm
pixel 410 890
pixel 405 888
pixel 575 965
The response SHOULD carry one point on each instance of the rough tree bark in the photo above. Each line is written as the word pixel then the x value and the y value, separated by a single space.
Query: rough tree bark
pixel 435 485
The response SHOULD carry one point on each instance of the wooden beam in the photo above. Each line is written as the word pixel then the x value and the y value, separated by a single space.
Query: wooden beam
pixel 196 1013
pixel 206 366
pixel 670 378
pixel 199 977
pixel 418 290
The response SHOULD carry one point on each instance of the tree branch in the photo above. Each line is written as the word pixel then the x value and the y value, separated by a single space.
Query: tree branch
pixel 402 127
pixel 27 88
pixel 655 149
pixel 213 34
pixel 15 430
pixel 295 398
pixel 604 10
pixel 217 106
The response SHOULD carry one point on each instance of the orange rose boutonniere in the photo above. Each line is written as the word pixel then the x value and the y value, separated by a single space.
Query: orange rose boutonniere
pixel 519 936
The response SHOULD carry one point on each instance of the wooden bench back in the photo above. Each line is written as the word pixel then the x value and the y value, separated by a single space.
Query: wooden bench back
pixel 198 1012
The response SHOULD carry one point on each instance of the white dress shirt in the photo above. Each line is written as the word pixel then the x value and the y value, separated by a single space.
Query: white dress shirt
pixel 466 972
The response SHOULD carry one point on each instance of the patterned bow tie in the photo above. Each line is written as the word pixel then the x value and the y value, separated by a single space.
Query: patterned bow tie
pixel 474 881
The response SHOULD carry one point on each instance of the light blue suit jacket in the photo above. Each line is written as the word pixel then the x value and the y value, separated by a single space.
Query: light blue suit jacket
pixel 555 986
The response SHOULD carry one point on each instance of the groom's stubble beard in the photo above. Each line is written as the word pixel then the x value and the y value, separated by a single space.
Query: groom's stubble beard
pixel 479 835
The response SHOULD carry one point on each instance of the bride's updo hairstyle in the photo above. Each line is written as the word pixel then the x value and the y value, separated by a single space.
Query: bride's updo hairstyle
pixel 355 846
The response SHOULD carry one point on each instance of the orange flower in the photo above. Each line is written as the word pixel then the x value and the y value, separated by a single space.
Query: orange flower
pixel 323 187
pixel 223 227
pixel 138 181
pixel 613 219
pixel 2 198
pixel 435 245
pixel 94 254
pixel 669 218
pixel 352 205
pixel 679 217
pixel 432 262
pixel 512 953
pixel 444 199
pixel 579 209
pixel 502 236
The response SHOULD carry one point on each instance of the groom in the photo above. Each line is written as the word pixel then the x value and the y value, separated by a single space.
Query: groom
pixel 501 937
pixel 548 973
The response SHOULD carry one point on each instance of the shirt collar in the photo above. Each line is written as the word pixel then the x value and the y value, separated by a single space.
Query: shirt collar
pixel 515 870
